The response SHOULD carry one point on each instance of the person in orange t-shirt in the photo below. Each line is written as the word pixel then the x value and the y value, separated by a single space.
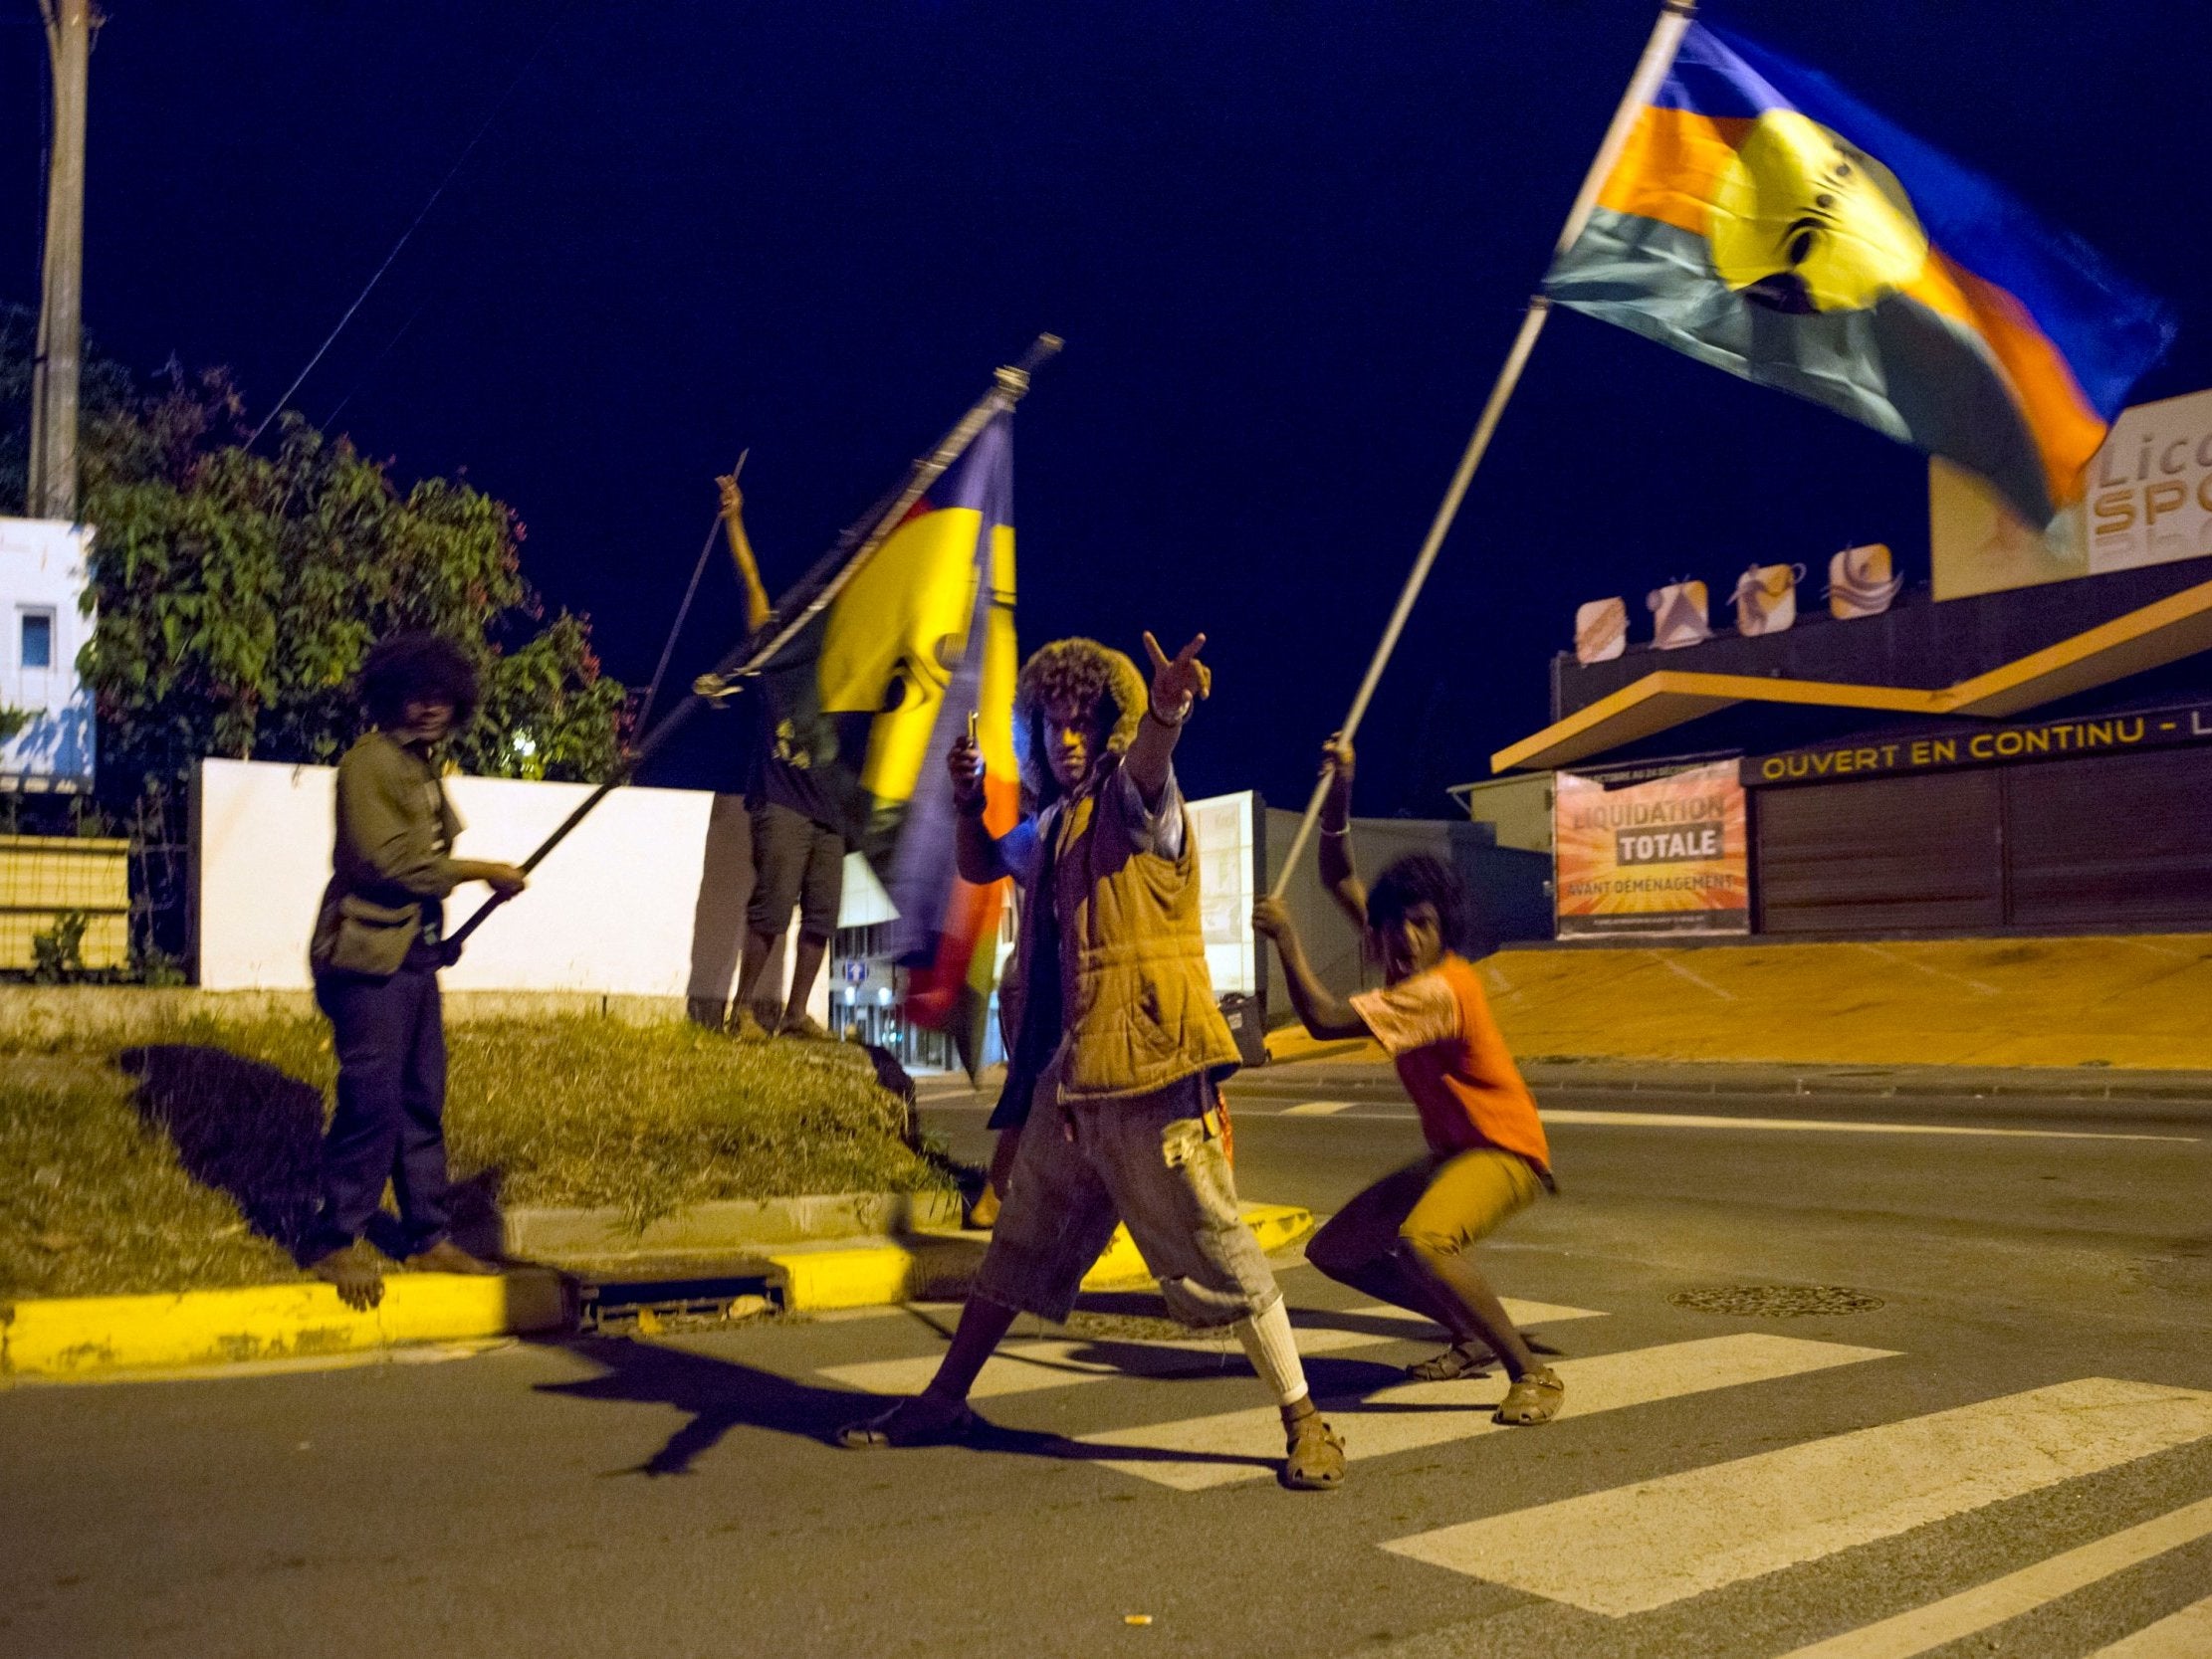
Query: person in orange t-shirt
pixel 1406 1239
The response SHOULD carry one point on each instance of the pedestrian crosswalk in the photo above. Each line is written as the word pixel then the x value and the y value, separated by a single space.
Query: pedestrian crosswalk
pixel 1670 1538
pixel 1024 1367
pixel 1232 1446
pixel 1652 1546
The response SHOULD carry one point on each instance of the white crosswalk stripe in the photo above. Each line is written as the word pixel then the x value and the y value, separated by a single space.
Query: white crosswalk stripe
pixel 2185 1635
pixel 1686 1534
pixel 1024 1367
pixel 1940 1623
pixel 1318 1109
pixel 1232 1446
pixel 1682 1536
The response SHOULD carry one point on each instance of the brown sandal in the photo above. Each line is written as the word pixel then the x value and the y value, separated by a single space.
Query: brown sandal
pixel 1535 1398
pixel 1459 1360
pixel 1314 1460
pixel 895 1429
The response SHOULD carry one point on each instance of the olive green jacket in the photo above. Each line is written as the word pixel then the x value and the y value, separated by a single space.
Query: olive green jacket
pixel 392 852
pixel 1138 1000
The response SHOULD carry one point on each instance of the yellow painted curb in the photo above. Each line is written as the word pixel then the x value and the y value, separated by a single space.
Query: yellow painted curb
pixel 884 1272
pixel 83 1337
pixel 1287 1043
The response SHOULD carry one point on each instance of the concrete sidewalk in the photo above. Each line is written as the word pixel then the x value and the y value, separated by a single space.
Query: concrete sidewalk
pixel 1768 1078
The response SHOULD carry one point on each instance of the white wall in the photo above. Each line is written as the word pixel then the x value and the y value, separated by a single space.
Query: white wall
pixel 41 577
pixel 646 897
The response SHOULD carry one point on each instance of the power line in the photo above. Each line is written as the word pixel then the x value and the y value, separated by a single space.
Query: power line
pixel 362 378
pixel 277 408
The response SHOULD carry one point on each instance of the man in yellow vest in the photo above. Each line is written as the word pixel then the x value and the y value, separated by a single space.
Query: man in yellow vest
pixel 1115 1046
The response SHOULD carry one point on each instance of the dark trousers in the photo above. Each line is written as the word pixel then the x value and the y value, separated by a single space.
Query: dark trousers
pixel 390 1119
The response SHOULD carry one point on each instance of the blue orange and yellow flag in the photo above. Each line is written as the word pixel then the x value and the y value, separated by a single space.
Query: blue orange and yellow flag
pixel 1763 220
pixel 876 689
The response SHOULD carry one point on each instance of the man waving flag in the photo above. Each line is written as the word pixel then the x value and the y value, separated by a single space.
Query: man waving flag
pixel 876 689
pixel 1764 220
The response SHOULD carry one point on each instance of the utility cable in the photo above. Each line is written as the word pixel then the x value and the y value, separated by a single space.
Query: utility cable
pixel 277 407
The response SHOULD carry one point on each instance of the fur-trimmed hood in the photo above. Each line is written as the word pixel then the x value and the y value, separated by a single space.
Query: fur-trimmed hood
pixel 1061 659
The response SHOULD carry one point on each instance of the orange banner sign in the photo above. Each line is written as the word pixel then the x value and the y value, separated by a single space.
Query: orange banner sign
pixel 1663 856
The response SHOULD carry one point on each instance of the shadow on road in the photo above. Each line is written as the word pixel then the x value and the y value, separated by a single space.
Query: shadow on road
pixel 718 1395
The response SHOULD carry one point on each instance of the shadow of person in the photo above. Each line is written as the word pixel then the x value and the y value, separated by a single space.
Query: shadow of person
pixel 718 915
pixel 245 1128
pixel 254 1131
pixel 719 1395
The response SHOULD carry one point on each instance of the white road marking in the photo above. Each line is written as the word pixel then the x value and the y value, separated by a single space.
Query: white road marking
pixel 1246 1445
pixel 1699 979
pixel 1317 1108
pixel 1599 1119
pixel 1024 1367
pixel 1687 1120
pixel 2185 1635
pixel 1987 1605
pixel 1677 1537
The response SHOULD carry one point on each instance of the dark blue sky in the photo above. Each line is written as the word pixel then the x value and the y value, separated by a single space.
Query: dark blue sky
pixel 1287 244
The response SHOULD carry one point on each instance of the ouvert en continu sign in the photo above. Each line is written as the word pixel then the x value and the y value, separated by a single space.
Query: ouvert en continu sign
pixel 1986 746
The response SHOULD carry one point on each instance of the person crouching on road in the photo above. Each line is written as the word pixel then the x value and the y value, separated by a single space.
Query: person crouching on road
pixel 1116 1049
pixel 377 946
pixel 1409 1238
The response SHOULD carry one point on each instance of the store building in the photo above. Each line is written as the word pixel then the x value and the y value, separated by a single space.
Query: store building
pixel 2021 742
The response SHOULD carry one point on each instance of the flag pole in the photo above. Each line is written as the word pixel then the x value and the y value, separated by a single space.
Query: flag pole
pixel 1659 56
pixel 826 581
pixel 668 647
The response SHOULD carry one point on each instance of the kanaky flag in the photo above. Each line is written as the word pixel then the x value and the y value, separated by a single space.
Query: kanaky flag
pixel 1763 220
pixel 880 685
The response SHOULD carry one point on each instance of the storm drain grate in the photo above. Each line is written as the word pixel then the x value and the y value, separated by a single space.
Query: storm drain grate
pixel 1777 1301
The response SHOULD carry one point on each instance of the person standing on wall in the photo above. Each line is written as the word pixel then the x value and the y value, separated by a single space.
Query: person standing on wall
pixel 378 945
pixel 798 843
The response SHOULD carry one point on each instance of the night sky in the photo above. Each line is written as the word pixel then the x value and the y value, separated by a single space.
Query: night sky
pixel 1287 244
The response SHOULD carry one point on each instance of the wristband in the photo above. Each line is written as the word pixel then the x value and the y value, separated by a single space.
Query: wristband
pixel 1181 714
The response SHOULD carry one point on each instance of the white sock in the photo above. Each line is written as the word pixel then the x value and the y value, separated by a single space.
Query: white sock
pixel 1273 1351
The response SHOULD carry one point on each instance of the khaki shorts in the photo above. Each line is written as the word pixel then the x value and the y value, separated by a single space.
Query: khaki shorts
pixel 1151 1161
pixel 1441 1205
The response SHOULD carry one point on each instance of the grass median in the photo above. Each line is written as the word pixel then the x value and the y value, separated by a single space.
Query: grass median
pixel 188 1161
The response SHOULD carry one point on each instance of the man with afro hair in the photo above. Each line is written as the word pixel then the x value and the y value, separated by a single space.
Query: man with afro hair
pixel 1115 1044
pixel 1409 1239
pixel 375 953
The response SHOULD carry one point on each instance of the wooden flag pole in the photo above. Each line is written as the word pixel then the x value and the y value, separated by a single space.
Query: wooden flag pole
pixel 1659 56
pixel 826 581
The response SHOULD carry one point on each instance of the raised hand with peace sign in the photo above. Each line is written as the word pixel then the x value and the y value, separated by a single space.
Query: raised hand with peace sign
pixel 1178 683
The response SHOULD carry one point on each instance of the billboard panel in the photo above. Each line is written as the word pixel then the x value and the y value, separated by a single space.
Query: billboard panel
pixel 2149 502
pixel 1665 855
pixel 1221 835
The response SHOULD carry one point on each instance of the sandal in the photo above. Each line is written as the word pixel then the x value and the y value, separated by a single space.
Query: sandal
pixel 1314 1460
pixel 1535 1398
pixel 896 1427
pixel 1459 1360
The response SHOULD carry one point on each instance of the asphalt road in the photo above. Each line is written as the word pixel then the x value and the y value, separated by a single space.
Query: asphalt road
pixel 2008 1448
